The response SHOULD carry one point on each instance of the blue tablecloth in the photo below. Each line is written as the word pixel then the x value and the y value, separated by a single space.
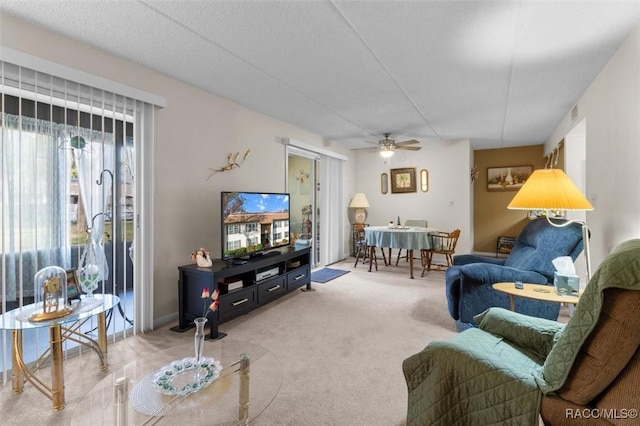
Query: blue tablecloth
pixel 410 238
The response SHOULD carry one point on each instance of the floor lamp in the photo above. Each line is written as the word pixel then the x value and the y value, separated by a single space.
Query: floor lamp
pixel 551 190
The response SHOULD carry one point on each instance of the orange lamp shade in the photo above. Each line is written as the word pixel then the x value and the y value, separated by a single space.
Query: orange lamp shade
pixel 549 189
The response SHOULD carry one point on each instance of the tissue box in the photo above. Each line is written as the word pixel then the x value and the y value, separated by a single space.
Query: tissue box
pixel 566 284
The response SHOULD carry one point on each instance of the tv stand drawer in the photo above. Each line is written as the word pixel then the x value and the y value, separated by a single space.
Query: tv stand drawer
pixel 298 277
pixel 270 289
pixel 237 303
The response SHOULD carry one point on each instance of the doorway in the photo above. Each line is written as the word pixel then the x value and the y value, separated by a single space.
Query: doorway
pixel 303 187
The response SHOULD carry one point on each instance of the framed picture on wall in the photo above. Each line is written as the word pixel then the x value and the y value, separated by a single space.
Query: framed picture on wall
pixel 73 287
pixel 403 180
pixel 507 178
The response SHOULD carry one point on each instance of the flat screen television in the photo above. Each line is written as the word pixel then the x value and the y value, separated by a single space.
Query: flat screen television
pixel 253 222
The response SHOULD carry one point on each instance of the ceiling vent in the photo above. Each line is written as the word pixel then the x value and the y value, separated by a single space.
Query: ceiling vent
pixel 574 112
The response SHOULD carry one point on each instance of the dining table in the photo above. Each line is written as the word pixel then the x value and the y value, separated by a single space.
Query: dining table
pixel 409 238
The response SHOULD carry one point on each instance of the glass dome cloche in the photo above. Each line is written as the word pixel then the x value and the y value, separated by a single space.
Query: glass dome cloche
pixel 50 294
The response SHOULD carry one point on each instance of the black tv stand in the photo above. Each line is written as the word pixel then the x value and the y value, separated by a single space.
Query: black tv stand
pixel 253 257
pixel 291 268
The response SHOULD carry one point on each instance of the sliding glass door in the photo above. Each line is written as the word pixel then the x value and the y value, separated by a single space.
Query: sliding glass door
pixel 303 187
pixel 69 190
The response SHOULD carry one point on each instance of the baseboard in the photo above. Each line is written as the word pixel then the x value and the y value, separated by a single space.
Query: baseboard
pixel 171 318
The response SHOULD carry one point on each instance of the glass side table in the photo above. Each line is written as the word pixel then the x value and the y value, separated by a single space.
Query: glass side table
pixel 249 381
pixel 60 330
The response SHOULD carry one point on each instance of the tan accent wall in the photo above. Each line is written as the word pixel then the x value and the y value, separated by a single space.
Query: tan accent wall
pixel 491 216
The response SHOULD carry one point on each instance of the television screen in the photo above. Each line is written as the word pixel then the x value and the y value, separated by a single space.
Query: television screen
pixel 253 222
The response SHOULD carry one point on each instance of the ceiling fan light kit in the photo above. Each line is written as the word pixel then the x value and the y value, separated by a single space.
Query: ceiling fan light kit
pixel 386 151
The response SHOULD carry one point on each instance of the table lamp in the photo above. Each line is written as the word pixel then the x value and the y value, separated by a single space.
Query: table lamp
pixel 551 190
pixel 359 202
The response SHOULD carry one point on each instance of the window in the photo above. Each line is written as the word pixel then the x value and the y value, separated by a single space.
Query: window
pixel 278 224
pixel 47 150
pixel 67 163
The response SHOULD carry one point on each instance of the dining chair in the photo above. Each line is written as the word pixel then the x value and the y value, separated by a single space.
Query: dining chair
pixel 362 249
pixel 409 222
pixel 441 243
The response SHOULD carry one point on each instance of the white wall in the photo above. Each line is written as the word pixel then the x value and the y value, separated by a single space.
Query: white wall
pixel 575 155
pixel 447 204
pixel 194 133
pixel 611 107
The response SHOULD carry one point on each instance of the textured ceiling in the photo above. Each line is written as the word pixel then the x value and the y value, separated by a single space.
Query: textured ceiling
pixel 501 73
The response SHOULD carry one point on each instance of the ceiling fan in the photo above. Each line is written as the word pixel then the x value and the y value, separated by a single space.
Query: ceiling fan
pixel 387 145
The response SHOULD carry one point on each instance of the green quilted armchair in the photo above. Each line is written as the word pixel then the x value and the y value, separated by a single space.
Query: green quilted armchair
pixel 516 369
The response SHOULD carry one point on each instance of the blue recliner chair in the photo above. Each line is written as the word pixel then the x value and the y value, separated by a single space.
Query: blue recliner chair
pixel 469 281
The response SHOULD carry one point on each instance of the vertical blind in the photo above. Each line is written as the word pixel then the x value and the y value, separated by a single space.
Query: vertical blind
pixel 68 180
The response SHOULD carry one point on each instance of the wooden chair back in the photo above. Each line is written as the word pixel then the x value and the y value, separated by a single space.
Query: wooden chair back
pixel 358 232
pixel 445 243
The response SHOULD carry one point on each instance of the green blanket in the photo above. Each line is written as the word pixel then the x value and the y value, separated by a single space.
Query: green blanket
pixel 495 375
pixel 481 376
pixel 463 382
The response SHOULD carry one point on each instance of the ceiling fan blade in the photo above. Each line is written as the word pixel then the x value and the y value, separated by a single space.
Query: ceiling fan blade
pixel 409 142
pixel 366 149
pixel 390 144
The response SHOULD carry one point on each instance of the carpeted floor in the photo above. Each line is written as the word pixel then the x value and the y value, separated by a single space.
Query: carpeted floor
pixel 341 348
